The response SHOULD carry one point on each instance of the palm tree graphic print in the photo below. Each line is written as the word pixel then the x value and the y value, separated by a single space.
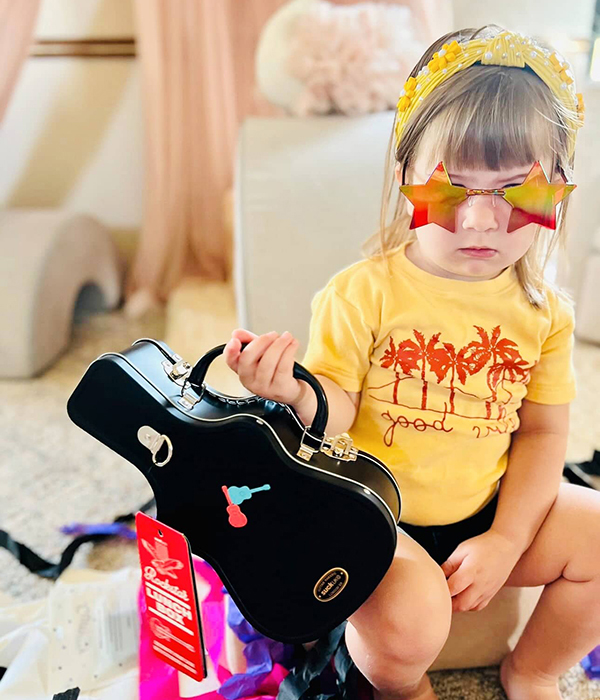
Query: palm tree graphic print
pixel 421 359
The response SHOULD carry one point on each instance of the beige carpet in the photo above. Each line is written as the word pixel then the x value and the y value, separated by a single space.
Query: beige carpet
pixel 52 473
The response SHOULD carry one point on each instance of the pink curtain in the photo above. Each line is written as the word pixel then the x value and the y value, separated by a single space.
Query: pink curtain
pixel 17 22
pixel 197 60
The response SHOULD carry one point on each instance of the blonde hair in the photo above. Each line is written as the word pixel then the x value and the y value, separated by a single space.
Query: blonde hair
pixel 490 117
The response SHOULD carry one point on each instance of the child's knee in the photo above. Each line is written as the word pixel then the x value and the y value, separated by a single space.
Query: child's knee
pixel 407 619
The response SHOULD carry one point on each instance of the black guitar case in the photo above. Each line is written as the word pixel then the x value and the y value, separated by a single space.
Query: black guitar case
pixel 300 526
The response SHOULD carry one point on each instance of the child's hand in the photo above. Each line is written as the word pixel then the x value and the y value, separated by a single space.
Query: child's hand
pixel 478 568
pixel 266 365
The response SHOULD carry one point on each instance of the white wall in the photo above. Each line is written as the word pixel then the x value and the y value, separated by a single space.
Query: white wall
pixel 72 135
pixel 552 19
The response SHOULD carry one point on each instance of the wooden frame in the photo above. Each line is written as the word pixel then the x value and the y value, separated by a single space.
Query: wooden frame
pixel 84 48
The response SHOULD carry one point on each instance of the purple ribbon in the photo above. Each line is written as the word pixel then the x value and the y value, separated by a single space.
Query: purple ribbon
pixel 591 664
pixel 261 653
pixel 118 529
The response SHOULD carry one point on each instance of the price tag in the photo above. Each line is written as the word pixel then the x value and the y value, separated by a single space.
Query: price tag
pixel 171 598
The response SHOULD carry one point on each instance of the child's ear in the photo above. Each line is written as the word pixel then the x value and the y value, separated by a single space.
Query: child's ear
pixel 398 172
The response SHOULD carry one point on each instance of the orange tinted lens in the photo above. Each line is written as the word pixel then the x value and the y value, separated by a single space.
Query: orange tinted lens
pixel 435 202
pixel 534 202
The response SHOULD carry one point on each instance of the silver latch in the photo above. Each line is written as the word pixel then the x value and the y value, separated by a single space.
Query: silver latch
pixel 154 441
pixel 179 371
pixel 340 447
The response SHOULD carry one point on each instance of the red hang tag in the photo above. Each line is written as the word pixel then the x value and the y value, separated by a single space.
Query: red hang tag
pixel 171 598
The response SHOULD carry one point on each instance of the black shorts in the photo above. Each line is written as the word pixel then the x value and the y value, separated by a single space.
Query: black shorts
pixel 441 540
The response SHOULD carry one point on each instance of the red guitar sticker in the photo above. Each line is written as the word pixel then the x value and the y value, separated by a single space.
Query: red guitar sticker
pixel 236 517
pixel 171 598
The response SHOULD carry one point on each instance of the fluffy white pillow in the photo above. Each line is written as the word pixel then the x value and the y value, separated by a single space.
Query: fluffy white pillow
pixel 272 76
pixel 318 58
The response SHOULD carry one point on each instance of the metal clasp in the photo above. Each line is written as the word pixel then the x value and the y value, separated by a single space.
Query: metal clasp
pixel 154 441
pixel 179 371
pixel 340 447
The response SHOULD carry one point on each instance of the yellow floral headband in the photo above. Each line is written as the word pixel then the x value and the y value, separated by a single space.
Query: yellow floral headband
pixel 505 49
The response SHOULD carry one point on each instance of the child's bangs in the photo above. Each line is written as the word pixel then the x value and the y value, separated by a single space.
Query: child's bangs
pixel 499 122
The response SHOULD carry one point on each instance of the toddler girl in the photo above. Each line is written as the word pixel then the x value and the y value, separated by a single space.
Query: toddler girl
pixel 448 355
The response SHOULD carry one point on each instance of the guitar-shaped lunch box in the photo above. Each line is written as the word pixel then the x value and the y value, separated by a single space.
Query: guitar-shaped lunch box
pixel 299 526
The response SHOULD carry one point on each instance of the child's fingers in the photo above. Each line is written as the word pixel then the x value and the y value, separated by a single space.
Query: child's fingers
pixel 243 335
pixel 284 371
pixel 453 562
pixel 249 359
pixel 465 600
pixel 231 353
pixel 232 349
pixel 267 365
pixel 284 375
pixel 267 369
pixel 459 581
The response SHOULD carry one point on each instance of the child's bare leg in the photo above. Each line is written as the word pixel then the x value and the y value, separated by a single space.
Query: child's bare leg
pixel 565 625
pixel 399 631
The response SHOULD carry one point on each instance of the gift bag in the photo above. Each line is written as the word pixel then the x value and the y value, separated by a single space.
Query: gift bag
pixel 274 670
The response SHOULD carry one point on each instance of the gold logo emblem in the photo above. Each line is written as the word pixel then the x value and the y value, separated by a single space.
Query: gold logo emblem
pixel 331 584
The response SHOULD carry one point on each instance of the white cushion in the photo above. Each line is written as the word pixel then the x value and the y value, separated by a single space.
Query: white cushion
pixel 307 193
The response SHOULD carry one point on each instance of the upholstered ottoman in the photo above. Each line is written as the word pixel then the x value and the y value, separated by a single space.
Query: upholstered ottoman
pixel 484 637
pixel 53 265
pixel 479 638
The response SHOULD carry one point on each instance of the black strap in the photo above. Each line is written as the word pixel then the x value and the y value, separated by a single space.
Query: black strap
pixel 346 672
pixel 303 680
pixel 576 475
pixel 47 569
pixel 71 694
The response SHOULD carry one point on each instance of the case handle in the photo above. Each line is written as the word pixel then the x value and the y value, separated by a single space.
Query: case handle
pixel 317 428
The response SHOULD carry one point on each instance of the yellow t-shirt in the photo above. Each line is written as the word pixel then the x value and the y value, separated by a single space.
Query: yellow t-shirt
pixel 442 366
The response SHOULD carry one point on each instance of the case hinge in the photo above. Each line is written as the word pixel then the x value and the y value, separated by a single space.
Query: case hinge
pixel 307 451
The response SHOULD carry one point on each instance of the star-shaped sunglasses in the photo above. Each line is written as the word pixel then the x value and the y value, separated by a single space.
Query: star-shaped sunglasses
pixel 533 202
